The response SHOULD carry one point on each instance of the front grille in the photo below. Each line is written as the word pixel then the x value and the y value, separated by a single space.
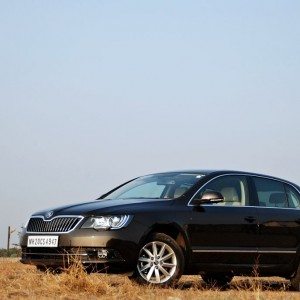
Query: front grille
pixel 58 224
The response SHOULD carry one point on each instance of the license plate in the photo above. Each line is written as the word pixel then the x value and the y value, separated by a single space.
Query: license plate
pixel 49 241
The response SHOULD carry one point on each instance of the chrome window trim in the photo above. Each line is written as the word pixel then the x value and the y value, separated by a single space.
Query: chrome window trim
pixel 244 206
pixel 247 175
pixel 49 220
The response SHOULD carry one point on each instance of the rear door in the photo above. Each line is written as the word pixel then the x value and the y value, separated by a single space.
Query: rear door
pixel 279 221
pixel 224 233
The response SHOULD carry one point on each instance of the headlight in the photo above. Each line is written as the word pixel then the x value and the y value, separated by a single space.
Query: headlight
pixel 107 222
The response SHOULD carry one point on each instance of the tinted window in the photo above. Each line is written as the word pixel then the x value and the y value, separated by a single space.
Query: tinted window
pixel 292 196
pixel 271 193
pixel 149 190
pixel 234 189
pixel 157 186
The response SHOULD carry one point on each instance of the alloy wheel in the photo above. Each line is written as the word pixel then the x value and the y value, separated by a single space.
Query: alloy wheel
pixel 157 262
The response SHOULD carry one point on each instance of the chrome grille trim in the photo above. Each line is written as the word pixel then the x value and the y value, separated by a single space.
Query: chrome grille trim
pixel 58 224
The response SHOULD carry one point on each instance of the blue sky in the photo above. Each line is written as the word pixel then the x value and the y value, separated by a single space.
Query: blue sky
pixel 93 93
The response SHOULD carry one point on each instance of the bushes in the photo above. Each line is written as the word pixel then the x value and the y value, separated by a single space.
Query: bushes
pixel 13 252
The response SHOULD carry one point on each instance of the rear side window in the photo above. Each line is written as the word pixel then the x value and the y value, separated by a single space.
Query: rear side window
pixel 271 193
pixel 292 196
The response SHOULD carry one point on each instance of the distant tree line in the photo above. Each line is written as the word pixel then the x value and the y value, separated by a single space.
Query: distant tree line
pixel 13 252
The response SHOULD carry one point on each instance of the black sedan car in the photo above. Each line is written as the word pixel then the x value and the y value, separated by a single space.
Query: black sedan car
pixel 160 226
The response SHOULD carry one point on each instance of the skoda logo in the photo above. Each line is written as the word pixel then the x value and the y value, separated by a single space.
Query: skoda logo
pixel 49 214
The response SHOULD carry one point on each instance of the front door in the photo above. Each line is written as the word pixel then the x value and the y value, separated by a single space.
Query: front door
pixel 224 233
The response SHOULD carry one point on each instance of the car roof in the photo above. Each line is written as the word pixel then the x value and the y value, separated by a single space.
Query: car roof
pixel 215 172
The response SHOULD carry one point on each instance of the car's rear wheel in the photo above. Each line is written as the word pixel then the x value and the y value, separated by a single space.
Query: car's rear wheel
pixel 41 268
pixel 160 261
pixel 217 279
pixel 295 280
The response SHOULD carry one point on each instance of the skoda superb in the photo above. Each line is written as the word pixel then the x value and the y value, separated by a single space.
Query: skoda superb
pixel 160 226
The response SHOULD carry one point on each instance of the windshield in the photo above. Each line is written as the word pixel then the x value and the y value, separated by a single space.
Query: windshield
pixel 158 186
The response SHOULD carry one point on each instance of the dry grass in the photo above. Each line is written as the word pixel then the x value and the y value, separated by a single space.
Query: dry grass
pixel 22 281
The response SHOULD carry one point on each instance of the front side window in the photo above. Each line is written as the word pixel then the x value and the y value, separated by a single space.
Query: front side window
pixel 271 193
pixel 233 188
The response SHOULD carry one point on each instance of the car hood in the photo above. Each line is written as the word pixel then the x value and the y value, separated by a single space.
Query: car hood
pixel 104 206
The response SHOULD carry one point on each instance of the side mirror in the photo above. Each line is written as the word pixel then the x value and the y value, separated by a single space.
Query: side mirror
pixel 210 198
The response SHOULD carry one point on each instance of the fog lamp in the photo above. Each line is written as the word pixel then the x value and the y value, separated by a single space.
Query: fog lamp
pixel 102 253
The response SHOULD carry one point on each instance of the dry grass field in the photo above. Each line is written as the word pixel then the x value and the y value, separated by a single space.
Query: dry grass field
pixel 19 281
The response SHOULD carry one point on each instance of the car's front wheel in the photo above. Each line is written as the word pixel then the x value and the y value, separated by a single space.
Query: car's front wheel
pixel 160 261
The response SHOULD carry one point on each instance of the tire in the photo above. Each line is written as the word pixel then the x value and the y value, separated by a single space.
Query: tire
pixel 160 261
pixel 217 279
pixel 295 281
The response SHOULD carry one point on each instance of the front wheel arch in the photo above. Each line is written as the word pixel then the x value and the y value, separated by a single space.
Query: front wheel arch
pixel 175 232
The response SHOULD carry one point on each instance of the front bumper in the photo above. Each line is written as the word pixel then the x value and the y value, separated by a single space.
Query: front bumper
pixel 67 255
pixel 115 249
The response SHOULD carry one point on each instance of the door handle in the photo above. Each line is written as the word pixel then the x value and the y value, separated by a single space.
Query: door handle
pixel 250 219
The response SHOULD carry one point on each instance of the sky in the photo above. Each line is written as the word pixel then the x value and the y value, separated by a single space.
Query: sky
pixel 94 93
